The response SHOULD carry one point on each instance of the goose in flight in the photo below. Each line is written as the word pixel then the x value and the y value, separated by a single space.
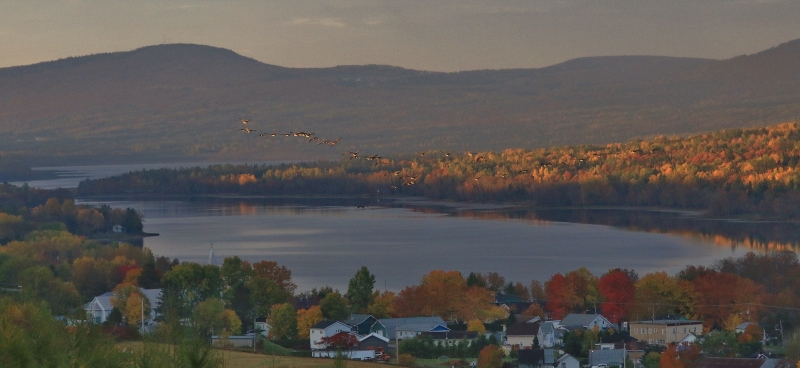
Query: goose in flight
pixel 246 130
pixel 244 121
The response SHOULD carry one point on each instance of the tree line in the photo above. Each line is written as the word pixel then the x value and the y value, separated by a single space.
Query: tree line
pixel 728 173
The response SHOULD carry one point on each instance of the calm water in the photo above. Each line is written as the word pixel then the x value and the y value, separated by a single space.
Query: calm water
pixel 324 244
pixel 324 241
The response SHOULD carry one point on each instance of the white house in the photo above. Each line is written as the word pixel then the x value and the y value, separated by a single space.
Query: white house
pixel 325 329
pixel 261 325
pixel 585 322
pixel 547 335
pixel 100 307
pixel 567 361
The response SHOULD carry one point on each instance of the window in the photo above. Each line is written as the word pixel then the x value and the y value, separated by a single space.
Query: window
pixel 663 331
pixel 674 330
pixel 684 330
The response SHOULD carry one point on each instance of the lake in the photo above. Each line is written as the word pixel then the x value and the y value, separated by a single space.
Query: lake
pixel 325 240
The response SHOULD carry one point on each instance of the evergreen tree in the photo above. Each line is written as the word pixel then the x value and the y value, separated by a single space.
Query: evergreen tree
pixel 359 289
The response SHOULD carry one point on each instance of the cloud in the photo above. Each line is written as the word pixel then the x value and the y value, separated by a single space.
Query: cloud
pixel 323 22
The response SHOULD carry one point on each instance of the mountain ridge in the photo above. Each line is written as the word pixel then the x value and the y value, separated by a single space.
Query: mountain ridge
pixel 175 101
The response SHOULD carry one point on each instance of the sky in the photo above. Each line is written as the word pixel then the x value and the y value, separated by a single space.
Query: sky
pixel 434 35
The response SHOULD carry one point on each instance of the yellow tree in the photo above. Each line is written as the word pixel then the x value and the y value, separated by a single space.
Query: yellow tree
pixel 476 325
pixel 307 318
pixel 381 306
pixel 128 298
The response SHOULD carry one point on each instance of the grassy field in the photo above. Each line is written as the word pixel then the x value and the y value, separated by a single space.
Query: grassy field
pixel 240 359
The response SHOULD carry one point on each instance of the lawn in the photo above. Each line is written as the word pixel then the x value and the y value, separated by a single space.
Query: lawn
pixel 240 359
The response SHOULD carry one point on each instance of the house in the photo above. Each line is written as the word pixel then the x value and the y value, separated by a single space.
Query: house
pixel 360 323
pixel 536 358
pixel 522 334
pixel 262 326
pixel 404 328
pixel 585 322
pixel 664 331
pixel 100 307
pixel 374 341
pixel 547 335
pixel 325 329
pixel 117 229
pixel 609 357
pixel 742 363
pixel 567 361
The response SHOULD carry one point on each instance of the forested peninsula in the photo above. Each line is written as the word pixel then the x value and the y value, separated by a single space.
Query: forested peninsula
pixel 740 172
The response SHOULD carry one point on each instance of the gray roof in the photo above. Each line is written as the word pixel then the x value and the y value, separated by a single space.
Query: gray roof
pixel 578 320
pixel 547 327
pixel 565 357
pixel 355 319
pixel 607 356
pixel 419 324
pixel 324 324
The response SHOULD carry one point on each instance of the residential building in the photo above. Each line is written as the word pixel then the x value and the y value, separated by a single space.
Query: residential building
pixel 547 335
pixel 575 321
pixel 262 326
pixel 361 323
pixel 663 332
pixel 404 328
pixel 536 358
pixel 374 341
pixel 567 361
pixel 100 307
pixel 522 334
pixel 609 357
pixel 325 329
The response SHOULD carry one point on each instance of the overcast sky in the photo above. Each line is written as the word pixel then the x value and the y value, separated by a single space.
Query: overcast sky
pixel 439 35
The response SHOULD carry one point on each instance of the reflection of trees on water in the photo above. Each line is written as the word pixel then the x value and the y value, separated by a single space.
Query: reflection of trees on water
pixel 762 236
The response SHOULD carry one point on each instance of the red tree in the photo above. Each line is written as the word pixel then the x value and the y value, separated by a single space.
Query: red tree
pixel 618 292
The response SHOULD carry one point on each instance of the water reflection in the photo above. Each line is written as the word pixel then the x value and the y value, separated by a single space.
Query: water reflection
pixel 325 240
pixel 755 235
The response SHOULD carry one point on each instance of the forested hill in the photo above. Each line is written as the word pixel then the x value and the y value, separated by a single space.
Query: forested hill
pixel 729 172
pixel 177 101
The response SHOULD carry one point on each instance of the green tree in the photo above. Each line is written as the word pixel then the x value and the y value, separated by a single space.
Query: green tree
pixel 334 307
pixel 283 320
pixel 210 317
pixel 652 360
pixel 359 289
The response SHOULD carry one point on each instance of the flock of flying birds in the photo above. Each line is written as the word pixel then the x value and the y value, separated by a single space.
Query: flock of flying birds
pixel 407 180
pixel 404 180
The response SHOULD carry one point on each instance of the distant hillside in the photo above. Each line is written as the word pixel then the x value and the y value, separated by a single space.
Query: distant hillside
pixel 172 102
